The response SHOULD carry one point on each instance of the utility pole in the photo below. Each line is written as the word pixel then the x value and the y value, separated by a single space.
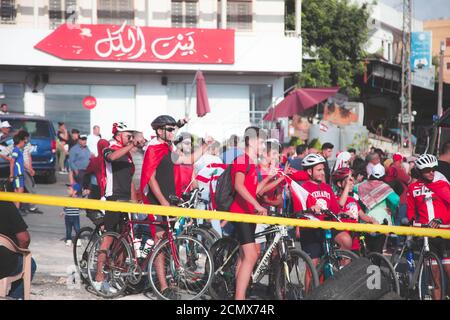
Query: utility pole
pixel 405 98
pixel 441 88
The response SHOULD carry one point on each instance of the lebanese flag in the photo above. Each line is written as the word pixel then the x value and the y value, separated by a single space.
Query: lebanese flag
pixel 441 187
pixel 301 198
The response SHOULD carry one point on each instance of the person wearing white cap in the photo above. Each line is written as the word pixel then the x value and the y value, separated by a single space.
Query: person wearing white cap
pixel 5 129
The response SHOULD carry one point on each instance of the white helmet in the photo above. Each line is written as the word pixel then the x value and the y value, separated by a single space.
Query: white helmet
pixel 378 171
pixel 426 161
pixel 312 160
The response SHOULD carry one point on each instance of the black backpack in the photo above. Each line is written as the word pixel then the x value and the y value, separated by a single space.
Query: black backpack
pixel 225 192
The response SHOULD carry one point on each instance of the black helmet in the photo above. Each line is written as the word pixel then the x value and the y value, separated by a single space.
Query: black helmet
pixel 162 121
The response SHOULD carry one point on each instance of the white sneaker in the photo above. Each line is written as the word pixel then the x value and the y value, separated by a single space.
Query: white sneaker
pixel 103 287
pixel 78 243
pixel 68 243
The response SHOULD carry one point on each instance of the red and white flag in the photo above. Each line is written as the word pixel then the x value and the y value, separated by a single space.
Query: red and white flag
pixel 301 198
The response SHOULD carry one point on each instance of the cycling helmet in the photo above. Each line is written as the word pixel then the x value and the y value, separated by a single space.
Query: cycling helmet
pixel 341 174
pixel 162 121
pixel 378 171
pixel 119 127
pixel 426 161
pixel 312 160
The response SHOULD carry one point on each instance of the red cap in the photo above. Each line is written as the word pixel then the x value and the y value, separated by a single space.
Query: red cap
pixel 397 157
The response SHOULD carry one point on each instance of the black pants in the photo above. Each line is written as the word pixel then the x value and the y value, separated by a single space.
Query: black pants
pixel 375 243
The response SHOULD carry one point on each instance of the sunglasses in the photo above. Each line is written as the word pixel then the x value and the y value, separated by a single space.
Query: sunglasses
pixel 428 170
pixel 170 129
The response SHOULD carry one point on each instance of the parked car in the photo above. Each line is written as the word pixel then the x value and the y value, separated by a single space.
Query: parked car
pixel 43 140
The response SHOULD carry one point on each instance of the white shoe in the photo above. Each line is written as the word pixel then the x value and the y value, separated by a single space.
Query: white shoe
pixel 103 287
pixel 68 243
pixel 78 243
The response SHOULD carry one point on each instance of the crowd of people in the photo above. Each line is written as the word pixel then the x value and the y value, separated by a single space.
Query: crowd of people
pixel 366 187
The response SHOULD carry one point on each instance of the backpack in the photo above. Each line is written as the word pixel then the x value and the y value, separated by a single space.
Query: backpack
pixel 225 192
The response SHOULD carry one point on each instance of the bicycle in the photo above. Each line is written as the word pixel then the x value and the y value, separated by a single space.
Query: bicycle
pixel 83 241
pixel 281 260
pixel 417 280
pixel 378 259
pixel 181 261
pixel 334 259
pixel 188 226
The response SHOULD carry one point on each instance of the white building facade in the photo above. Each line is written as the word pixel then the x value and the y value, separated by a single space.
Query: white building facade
pixel 36 82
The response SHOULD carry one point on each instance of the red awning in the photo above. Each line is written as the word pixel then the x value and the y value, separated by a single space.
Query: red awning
pixel 298 101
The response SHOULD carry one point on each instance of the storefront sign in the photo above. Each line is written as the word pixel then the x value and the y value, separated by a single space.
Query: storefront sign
pixel 140 44
pixel 424 78
pixel 89 102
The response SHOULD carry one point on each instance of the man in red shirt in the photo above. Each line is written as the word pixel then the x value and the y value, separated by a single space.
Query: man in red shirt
pixel 245 181
pixel 429 203
pixel 312 239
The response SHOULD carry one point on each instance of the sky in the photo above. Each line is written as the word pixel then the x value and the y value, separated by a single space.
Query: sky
pixel 424 9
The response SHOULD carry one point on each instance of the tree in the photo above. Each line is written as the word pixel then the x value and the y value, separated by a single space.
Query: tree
pixel 334 33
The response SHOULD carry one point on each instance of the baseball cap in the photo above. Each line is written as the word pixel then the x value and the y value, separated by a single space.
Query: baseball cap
pixel 5 124
pixel 397 157
pixel 83 136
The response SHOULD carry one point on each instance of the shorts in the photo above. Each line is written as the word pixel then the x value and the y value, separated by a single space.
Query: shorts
pixel 312 242
pixel 18 182
pixel 442 248
pixel 244 232
pixel 115 220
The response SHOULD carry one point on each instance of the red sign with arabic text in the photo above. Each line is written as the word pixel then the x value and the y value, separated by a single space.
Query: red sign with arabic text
pixel 89 102
pixel 140 44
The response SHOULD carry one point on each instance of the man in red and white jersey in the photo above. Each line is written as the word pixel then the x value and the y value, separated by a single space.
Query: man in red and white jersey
pixel 429 203
pixel 312 239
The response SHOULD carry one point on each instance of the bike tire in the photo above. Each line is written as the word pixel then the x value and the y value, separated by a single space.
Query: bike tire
pixel 181 288
pixel 224 253
pixel 427 256
pixel 119 283
pixel 290 291
pixel 386 267
pixel 346 254
pixel 80 253
pixel 200 234
pixel 212 232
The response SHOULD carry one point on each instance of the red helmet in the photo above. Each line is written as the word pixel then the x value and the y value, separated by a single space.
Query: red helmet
pixel 341 174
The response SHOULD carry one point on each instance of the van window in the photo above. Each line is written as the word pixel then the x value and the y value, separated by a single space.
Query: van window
pixel 36 128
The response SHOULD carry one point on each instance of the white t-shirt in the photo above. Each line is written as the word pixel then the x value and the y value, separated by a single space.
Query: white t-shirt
pixel 91 143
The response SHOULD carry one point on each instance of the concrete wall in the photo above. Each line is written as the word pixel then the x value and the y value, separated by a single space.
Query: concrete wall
pixel 441 31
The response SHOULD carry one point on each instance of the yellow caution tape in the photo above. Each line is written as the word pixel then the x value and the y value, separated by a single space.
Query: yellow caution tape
pixel 216 215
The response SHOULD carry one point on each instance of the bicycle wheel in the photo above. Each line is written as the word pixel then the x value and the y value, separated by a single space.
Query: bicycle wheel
pixel 427 282
pixel 212 232
pixel 190 279
pixel 200 234
pixel 386 269
pixel 339 259
pixel 85 237
pixel 117 265
pixel 225 253
pixel 295 277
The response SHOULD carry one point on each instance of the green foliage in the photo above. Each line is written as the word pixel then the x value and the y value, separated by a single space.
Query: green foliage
pixel 334 33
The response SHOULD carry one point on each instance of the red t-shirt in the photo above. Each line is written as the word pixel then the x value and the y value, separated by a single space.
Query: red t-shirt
pixel 241 164
pixel 351 208
pixel 324 196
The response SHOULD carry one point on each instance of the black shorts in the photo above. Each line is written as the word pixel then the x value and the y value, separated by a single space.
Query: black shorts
pixel 441 247
pixel 115 220
pixel 244 232
pixel 312 242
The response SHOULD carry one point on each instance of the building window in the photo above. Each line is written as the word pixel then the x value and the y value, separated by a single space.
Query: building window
pixel 260 101
pixel 239 14
pixel 62 11
pixel 115 12
pixel 12 94
pixel 448 65
pixel 184 13
pixel 8 11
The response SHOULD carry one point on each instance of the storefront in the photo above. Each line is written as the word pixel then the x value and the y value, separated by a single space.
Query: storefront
pixel 240 87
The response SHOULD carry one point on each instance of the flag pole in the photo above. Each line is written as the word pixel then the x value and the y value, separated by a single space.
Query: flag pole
pixel 187 108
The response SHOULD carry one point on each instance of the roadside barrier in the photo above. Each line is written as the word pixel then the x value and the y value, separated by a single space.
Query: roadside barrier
pixel 216 215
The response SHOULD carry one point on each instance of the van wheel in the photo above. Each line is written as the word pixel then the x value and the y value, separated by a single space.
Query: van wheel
pixel 51 178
